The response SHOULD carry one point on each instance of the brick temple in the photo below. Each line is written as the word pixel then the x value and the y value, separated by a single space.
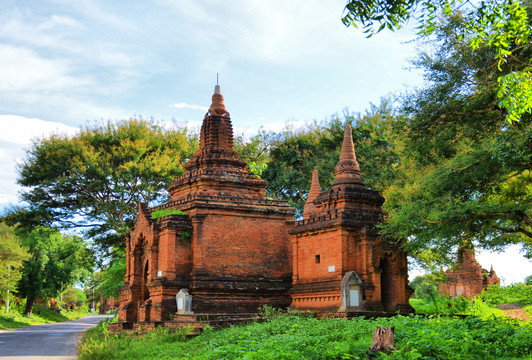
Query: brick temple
pixel 230 249
pixel 339 260
pixel 467 278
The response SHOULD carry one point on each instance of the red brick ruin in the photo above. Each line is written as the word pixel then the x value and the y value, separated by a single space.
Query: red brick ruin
pixel 467 279
pixel 230 249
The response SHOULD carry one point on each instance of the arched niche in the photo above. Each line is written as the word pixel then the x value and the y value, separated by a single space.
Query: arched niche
pixel 145 291
pixel 352 292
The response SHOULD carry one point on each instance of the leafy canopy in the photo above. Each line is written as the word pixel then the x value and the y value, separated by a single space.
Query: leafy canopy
pixel 57 261
pixel 502 25
pixel 12 255
pixel 95 179
pixel 464 171
pixel 294 154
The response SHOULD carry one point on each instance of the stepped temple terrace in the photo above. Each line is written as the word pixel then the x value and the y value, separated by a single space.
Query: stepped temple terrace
pixel 222 247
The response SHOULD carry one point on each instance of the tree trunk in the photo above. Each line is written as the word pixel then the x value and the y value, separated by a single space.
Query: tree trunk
pixel 382 339
pixel 7 298
pixel 29 305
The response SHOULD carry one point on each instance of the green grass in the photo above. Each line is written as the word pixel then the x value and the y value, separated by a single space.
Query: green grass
pixel 483 306
pixel 301 337
pixel 528 310
pixel 516 293
pixel 485 334
pixel 458 306
pixel 41 315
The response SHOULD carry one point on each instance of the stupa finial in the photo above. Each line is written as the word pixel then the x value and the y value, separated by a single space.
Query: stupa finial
pixel 347 170
pixel 217 107
pixel 315 190
pixel 348 149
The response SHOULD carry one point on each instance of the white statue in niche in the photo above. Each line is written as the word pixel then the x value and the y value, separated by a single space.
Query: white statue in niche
pixel 352 292
pixel 184 302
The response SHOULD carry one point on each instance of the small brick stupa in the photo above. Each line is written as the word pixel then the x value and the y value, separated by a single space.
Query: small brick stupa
pixel 467 278
pixel 229 250
pixel 340 262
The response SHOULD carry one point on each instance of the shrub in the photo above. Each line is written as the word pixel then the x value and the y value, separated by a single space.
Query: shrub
pixel 165 212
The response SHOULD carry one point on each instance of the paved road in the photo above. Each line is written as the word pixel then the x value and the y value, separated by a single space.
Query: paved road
pixel 56 341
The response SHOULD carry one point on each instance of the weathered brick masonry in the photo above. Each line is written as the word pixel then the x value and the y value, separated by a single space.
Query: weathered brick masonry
pixel 235 250
pixel 340 261
pixel 467 278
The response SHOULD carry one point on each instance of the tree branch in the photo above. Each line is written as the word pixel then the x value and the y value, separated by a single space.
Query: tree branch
pixel 513 231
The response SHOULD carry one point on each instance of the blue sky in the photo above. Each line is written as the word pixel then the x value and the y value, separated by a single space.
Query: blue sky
pixel 63 63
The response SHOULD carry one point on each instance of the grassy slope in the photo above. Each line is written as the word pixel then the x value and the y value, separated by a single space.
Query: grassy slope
pixel 487 334
pixel 298 337
pixel 41 315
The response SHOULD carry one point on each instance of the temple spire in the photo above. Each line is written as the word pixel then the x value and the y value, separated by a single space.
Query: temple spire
pixel 348 149
pixel 216 130
pixel 217 106
pixel 347 170
pixel 315 190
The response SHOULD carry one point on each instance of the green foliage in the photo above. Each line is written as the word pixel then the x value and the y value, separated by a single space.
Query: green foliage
pixel 256 169
pixel 268 312
pixel 185 236
pixel 440 305
pixel 73 295
pixel 12 255
pixel 294 154
pixel 426 287
pixel 41 315
pixel 255 151
pixel 95 179
pixel 56 262
pixel 98 343
pixel 464 171
pixel 515 93
pixel 166 212
pixel 107 282
pixel 528 280
pixel 515 293
pixel 303 337
pixel 503 26
pixel 483 306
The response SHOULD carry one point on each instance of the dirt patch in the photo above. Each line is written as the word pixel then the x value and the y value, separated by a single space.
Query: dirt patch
pixel 514 311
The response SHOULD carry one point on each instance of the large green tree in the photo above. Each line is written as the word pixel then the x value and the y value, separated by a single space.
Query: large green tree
pixel 57 261
pixel 464 169
pixel 501 25
pixel 95 179
pixel 12 255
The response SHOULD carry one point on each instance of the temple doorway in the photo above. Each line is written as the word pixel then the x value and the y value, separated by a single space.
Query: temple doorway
pixel 145 291
pixel 386 284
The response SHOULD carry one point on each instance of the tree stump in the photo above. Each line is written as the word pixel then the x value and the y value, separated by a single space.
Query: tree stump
pixel 382 339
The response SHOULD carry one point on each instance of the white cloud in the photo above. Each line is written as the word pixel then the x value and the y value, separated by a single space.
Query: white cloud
pixel 184 105
pixel 23 70
pixel 15 138
pixel 30 82
pixel 53 32
pixel 65 65
pixel 21 130
pixel 278 32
